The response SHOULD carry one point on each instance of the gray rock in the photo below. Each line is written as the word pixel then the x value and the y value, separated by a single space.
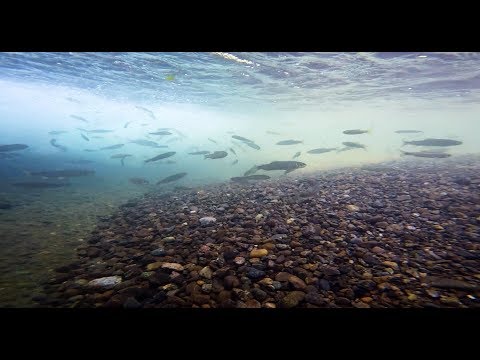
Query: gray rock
pixel 105 282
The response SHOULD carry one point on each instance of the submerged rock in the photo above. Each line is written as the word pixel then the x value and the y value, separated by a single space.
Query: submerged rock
pixel 105 282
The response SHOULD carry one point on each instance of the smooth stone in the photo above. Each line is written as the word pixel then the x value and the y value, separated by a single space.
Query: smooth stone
pixel 158 252
pixel 259 294
pixel 154 266
pixel 173 266
pixel 230 282
pixel 239 260
pixel 255 274
pixel 105 282
pixel 257 253
pixel 292 299
pixel 206 272
pixel 207 220
pixel 131 303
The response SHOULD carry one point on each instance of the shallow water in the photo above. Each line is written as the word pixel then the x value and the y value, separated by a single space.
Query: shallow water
pixel 100 100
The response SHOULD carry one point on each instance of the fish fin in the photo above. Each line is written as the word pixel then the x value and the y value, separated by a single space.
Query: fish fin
pixel 404 142
pixel 403 153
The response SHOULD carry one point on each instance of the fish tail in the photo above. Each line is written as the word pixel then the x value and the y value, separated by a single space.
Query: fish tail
pixel 404 142
pixel 403 153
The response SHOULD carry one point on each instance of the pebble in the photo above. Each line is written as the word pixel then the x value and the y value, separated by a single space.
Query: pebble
pixel 352 208
pixel 257 253
pixel 239 260
pixel 292 299
pixel 206 272
pixel 131 303
pixel 255 274
pixel 105 282
pixel 208 220
pixel 158 252
pixel 154 266
pixel 173 266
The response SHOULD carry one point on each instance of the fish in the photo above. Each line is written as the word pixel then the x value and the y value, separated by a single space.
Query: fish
pixel 353 145
pixel 96 131
pixel 272 132
pixel 97 137
pixel 112 147
pixel 39 184
pixel 89 150
pixel 241 138
pixel 233 151
pixel 57 132
pixel 161 156
pixel 203 152
pixel 145 124
pixel 288 166
pixel 81 161
pixel 126 124
pixel 172 178
pixel 121 157
pixel 86 138
pixel 356 132
pixel 252 145
pixel 73 100
pixel 433 142
pixel 149 112
pixel 62 173
pixel 235 162
pixel 257 177
pixel 13 147
pixel 54 143
pixel 148 143
pixel 161 133
pixel 320 150
pixel 290 142
pixel 426 154
pixel 216 155
pixel 79 118
pixel 240 179
pixel 170 162
pixel 230 132
pixel 213 141
pixel 297 155
pixel 408 131
pixel 139 181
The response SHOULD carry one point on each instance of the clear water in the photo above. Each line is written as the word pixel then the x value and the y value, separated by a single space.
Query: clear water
pixel 312 97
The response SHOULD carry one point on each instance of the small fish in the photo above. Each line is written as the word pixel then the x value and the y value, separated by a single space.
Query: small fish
pixel 433 142
pixel 425 154
pixel 149 112
pixel 73 100
pixel 97 137
pixel 408 131
pixel 320 150
pixel 112 147
pixel 54 143
pixel 356 132
pixel 170 162
pixel 161 156
pixel 216 155
pixel 121 157
pixel 138 181
pixel 57 132
pixel 161 133
pixel 148 143
pixel 79 118
pixel 84 137
pixel 199 152
pixel 213 141
pixel 89 150
pixel 290 142
pixel 241 138
pixel 81 161
pixel 13 147
pixel 288 166
pixel 145 124
pixel 233 151
pixel 39 184
pixel 257 177
pixel 353 145
pixel 297 155
pixel 235 162
pixel 126 124
pixel 230 132
pixel 272 132
pixel 172 178
pixel 98 131
pixel 252 145
pixel 62 173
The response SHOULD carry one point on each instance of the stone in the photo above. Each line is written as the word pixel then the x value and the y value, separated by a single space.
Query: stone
pixel 230 282
pixel 292 299
pixel 259 294
pixel 330 271
pixel 239 260
pixel 324 284
pixel 315 299
pixel 391 264
pixel 158 252
pixel 352 208
pixel 270 305
pixel 154 266
pixel 446 283
pixel 105 282
pixel 173 266
pixel 131 303
pixel 255 274
pixel 200 299
pixel 258 253
pixel 342 301
pixel 206 272
pixel 207 220
pixel 207 288
pixel 253 304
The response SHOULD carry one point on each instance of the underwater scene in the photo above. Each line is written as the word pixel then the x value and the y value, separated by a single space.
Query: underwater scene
pixel 239 180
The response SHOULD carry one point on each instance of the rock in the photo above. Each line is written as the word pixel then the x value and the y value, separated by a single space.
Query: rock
pixel 158 252
pixel 207 220
pixel 391 264
pixel 259 294
pixel 403 197
pixel 206 272
pixel 324 284
pixel 257 253
pixel 282 276
pixel 173 266
pixel 269 305
pixel 200 299
pixel 229 254
pixel 378 250
pixel 131 303
pixel 352 208
pixel 315 299
pixel 342 301
pixel 253 304
pixel 230 282
pixel 438 227
pixel 207 288
pixel 255 274
pixel 239 260
pixel 292 299
pixel 330 271
pixel 169 239
pixel 4 204
pixel 105 282
pixel 154 266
